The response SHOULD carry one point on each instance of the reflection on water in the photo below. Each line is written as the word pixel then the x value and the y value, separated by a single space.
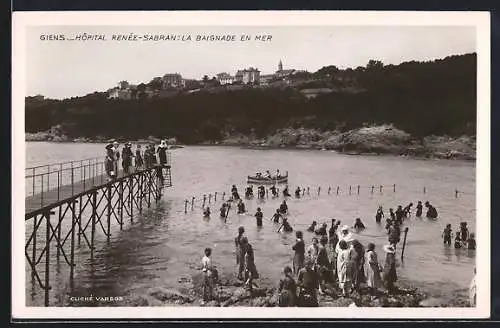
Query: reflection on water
pixel 165 244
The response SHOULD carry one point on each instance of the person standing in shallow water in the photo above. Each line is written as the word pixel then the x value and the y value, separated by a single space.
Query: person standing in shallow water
pixel 372 269
pixel 299 256
pixel 418 214
pixel 389 273
pixel 471 242
pixel 379 215
pixel 447 235
pixel 258 217
pixel 287 289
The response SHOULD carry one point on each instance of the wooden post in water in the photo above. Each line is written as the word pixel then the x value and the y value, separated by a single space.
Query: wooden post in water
pixel 192 203
pixel 404 244
pixel 209 198
pixel 456 193
pixel 358 189
pixel 223 195
pixel 424 189
pixel 186 206
pixel 373 187
pixel 319 190
pixel 308 191
pixel 338 188
pixel 380 189
pixel 349 190
pixel 204 200
pixel 329 190
pixel 394 187
pixel 215 197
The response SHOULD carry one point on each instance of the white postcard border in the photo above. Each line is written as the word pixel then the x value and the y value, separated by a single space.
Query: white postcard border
pixel 481 20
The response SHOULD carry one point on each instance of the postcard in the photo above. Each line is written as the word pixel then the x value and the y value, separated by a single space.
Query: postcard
pixel 271 164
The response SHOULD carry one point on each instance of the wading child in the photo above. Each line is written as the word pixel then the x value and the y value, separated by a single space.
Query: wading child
pixel 458 240
pixel 471 243
pixel 447 235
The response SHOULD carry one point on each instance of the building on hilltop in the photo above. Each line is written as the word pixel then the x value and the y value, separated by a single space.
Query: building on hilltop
pixel 282 73
pixel 250 75
pixel 172 81
pixel 122 85
pixel 117 93
pixel 225 78
pixel 266 79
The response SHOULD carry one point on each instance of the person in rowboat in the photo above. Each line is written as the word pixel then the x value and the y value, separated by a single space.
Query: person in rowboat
pixel 285 192
pixel 297 192
pixel 274 191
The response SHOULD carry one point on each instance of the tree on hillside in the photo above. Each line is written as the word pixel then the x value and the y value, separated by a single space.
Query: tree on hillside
pixel 155 84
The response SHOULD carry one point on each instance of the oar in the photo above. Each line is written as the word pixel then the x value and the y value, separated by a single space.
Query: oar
pixel 280 227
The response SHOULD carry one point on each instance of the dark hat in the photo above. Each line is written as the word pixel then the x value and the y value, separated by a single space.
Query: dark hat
pixel 109 146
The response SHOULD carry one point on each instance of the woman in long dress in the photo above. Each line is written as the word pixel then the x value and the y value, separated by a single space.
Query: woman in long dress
pixel 287 289
pixel 373 280
pixel 299 256
pixel 343 258
pixel 390 276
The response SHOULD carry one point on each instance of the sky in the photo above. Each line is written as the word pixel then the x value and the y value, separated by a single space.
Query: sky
pixel 64 69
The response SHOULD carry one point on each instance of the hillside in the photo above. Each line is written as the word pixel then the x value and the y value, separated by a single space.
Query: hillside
pixel 435 98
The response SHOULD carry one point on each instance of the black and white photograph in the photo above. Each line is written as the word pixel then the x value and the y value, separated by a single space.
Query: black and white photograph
pixel 182 165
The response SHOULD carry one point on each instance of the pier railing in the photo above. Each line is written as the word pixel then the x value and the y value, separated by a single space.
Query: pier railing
pixel 49 182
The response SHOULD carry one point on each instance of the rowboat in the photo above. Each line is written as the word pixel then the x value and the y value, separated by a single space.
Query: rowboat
pixel 264 180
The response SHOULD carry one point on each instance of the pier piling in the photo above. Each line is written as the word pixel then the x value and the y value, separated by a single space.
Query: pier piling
pixel 404 243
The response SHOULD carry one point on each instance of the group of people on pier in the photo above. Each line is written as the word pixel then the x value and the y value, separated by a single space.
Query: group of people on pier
pixel 141 159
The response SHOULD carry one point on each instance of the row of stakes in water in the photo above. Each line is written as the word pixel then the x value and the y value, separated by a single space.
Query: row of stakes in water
pixel 304 191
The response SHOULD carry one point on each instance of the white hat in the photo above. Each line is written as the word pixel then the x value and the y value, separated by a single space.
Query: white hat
pixel 389 249
pixel 345 227
pixel 163 144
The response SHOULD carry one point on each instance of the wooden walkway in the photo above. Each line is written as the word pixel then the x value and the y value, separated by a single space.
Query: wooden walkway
pixel 39 200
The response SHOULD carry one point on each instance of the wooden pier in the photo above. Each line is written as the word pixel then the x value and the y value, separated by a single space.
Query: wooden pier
pixel 64 215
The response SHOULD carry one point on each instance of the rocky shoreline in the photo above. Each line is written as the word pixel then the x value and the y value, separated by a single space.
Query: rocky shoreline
pixel 383 139
pixel 231 292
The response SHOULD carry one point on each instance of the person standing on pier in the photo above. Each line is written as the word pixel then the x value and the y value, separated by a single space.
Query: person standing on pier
pixel 299 256
pixel 116 155
pixel 139 162
pixel 109 163
pixel 127 158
